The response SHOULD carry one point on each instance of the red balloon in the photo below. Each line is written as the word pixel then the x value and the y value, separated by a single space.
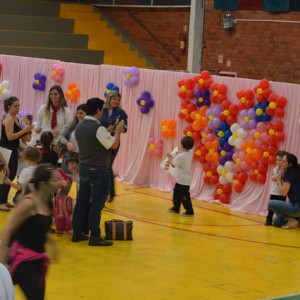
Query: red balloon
pixel 205 74
pixel 261 178
pixel 242 177
pixel 279 136
pixel 189 83
pixel 239 186
pixel 278 125
pixel 272 160
pixel 233 109
pixel 222 88
pixel 180 83
pixel 214 179
pixel 206 180
pixel 264 84
pixel 190 94
pixel 227 188
pixel 231 120
pixel 279 112
pixel 281 101
pixel 224 198
pixel 225 104
pixel 262 168
pixel 184 103
pixel 253 177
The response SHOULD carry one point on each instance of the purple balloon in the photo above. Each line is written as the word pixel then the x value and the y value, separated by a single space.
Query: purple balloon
pixel 252 124
pixel 144 109
pixel 244 125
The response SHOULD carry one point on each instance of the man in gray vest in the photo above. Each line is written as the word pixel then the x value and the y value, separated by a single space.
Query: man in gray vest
pixel 94 143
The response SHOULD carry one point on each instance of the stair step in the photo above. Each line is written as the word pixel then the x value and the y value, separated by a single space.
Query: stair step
pixel 83 56
pixel 79 15
pixel 76 7
pixel 42 39
pixel 33 23
pixel 30 8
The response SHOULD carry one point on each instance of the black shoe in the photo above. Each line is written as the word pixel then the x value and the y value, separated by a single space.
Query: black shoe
pixel 99 242
pixel 173 210
pixel 185 214
pixel 78 238
pixel 268 223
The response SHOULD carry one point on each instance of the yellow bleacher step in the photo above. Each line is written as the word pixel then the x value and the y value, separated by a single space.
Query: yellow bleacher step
pixel 79 15
pixel 76 7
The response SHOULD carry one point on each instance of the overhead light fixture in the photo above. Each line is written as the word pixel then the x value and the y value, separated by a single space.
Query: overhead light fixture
pixel 228 21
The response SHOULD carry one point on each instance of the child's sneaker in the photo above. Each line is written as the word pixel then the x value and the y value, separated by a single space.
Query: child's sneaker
pixel 173 210
pixel 185 214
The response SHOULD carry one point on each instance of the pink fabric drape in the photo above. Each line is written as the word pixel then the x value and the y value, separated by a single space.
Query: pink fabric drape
pixel 133 165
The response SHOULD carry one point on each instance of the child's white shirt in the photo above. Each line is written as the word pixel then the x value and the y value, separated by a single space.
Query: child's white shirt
pixel 274 186
pixel 183 164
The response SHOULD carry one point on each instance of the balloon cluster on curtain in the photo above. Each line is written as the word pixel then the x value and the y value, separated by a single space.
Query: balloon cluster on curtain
pixel 234 142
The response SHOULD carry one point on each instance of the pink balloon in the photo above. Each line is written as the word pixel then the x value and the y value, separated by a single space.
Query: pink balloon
pixel 158 152
pixel 261 127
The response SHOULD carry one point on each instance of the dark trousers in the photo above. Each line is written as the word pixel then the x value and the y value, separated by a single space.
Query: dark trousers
pixel 181 194
pixel 112 191
pixel 28 277
pixel 13 166
pixel 270 212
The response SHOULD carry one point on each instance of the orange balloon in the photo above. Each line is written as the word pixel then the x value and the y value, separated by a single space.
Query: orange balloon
pixel 171 123
pixel 71 85
pixel 197 125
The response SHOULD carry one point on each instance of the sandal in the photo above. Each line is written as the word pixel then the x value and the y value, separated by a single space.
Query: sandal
pixel 3 207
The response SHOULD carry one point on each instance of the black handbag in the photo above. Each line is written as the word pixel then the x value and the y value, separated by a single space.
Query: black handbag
pixel 118 230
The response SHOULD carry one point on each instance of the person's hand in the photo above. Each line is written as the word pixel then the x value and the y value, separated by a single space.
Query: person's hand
pixel 71 147
pixel 111 128
pixel 120 126
pixel 6 180
pixel 6 170
pixel 55 133
pixel 28 128
pixel 169 156
pixel 38 130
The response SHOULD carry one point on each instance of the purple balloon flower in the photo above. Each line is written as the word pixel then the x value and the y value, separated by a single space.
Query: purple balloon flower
pixel 131 75
pixel 39 82
pixel 202 98
pixel 145 102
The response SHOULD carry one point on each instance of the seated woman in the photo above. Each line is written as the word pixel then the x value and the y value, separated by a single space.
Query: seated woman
pixel 289 185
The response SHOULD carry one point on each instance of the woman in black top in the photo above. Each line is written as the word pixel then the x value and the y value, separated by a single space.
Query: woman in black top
pixel 10 135
pixel 27 231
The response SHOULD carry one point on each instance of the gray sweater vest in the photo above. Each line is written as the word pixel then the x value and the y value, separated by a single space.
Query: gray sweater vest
pixel 91 151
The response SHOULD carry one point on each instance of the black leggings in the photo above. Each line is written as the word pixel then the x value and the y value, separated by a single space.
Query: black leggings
pixel 27 276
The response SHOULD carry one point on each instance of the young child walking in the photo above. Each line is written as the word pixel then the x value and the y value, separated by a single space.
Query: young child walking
pixel 183 164
pixel 32 157
pixel 275 192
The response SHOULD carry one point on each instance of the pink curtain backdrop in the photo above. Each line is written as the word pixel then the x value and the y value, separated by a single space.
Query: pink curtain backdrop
pixel 133 164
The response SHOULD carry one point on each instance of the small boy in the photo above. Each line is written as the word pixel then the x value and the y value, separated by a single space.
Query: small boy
pixel 32 157
pixel 275 192
pixel 72 164
pixel 183 164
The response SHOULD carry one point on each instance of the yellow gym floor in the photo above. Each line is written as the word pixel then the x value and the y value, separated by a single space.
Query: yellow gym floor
pixel 217 254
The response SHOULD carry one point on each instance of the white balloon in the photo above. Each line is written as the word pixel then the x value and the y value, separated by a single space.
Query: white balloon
pixel 238 143
pixel 223 180
pixel 5 84
pixel 231 141
pixel 220 169
pixel 235 127
pixel 229 177
pixel 242 133
pixel 229 165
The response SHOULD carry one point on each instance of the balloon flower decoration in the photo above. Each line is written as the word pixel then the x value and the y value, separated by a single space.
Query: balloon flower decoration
pixel 73 92
pixel 110 87
pixel 131 75
pixel 39 82
pixel 22 115
pixel 0 69
pixel 145 102
pixel 155 147
pixel 168 128
pixel 57 73
pixel 4 90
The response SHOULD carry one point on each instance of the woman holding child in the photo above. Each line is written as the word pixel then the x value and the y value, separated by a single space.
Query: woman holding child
pixel 10 139
pixel 289 185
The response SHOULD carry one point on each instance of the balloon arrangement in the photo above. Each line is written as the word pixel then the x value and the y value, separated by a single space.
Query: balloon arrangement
pixel 110 87
pixel 73 92
pixel 22 115
pixel 145 102
pixel 233 142
pixel 39 83
pixel 0 69
pixel 57 73
pixel 155 147
pixel 168 128
pixel 131 76
pixel 4 90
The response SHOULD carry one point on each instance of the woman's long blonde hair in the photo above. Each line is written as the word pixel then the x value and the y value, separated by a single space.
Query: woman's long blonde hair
pixel 109 96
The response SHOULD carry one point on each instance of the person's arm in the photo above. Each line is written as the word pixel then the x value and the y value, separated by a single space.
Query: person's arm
pixel 40 117
pixel 5 167
pixel 63 137
pixel 119 129
pixel 21 213
pixel 18 186
pixel 284 186
pixel 9 129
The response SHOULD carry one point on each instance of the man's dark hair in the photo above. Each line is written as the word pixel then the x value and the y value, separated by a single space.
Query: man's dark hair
pixel 92 105
pixel 187 142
